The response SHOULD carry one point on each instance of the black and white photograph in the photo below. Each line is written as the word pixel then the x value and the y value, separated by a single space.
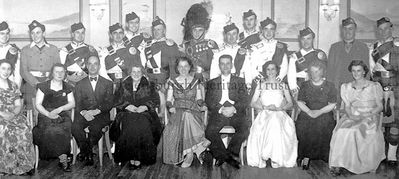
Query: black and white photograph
pixel 218 89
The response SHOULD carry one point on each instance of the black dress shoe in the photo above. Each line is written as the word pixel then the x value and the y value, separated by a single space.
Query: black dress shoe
pixel 65 166
pixel 89 160
pixel 81 157
pixel 219 162
pixel 305 164
pixel 335 171
pixel 392 163
pixel 233 162
pixel 29 173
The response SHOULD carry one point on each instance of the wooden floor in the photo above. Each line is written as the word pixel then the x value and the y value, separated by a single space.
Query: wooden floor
pixel 318 169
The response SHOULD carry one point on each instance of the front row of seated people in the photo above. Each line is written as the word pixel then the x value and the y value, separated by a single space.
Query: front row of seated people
pixel 356 143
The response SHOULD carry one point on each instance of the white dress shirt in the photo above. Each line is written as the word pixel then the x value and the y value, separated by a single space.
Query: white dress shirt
pixel 94 82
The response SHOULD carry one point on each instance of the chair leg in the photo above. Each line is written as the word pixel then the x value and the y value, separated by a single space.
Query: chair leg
pixel 108 144
pixel 100 150
pixel 242 152
pixel 36 156
pixel 74 150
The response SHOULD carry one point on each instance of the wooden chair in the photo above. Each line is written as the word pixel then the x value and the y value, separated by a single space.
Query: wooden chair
pixel 105 131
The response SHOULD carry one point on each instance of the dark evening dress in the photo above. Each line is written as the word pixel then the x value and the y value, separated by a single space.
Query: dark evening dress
pixel 314 134
pixel 53 136
pixel 136 134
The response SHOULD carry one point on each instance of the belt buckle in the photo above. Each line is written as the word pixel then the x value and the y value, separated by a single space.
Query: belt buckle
pixel 388 88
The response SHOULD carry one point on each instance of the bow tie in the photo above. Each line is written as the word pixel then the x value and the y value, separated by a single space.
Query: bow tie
pixel 93 78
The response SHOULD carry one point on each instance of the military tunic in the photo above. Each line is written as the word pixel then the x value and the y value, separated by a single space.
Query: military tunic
pixel 339 60
pixel 261 53
pixel 74 57
pixel 298 66
pixel 36 64
pixel 201 53
pixel 160 60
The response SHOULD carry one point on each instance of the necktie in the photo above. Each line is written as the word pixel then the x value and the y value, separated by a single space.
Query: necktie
pixel 93 78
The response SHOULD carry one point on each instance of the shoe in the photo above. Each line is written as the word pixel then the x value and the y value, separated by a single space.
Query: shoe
pixel 89 160
pixel 305 163
pixel 188 160
pixel 335 171
pixel 29 173
pixel 219 162
pixel 81 157
pixel 392 163
pixel 65 166
pixel 233 162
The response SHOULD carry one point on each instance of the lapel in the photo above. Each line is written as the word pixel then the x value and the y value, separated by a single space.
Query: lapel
pixel 97 90
pixel 232 84
pixel 218 85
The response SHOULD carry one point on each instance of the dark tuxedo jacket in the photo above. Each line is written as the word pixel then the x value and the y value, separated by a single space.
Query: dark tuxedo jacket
pixel 237 93
pixel 101 98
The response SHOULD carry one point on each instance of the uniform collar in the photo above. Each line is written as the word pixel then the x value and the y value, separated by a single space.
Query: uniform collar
pixel 388 40
pixel 248 33
pixel 269 41
pixel 73 43
pixel 159 40
pixel 118 46
pixel 130 35
pixel 226 45
pixel 304 52
pixel 350 42
pixel 34 44
pixel 227 78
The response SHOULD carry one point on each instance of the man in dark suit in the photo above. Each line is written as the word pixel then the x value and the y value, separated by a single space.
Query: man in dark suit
pixel 94 100
pixel 226 98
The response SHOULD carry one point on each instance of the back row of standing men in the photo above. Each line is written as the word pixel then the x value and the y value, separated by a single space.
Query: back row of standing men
pixel 250 50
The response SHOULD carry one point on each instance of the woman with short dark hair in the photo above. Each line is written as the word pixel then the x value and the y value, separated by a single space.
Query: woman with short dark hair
pixel 184 134
pixel 316 99
pixel 357 142
pixel 54 98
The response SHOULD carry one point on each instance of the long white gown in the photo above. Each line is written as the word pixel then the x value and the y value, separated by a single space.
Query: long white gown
pixel 272 135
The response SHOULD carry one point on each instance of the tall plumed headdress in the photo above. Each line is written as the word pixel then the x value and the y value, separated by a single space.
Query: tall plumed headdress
pixel 197 16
